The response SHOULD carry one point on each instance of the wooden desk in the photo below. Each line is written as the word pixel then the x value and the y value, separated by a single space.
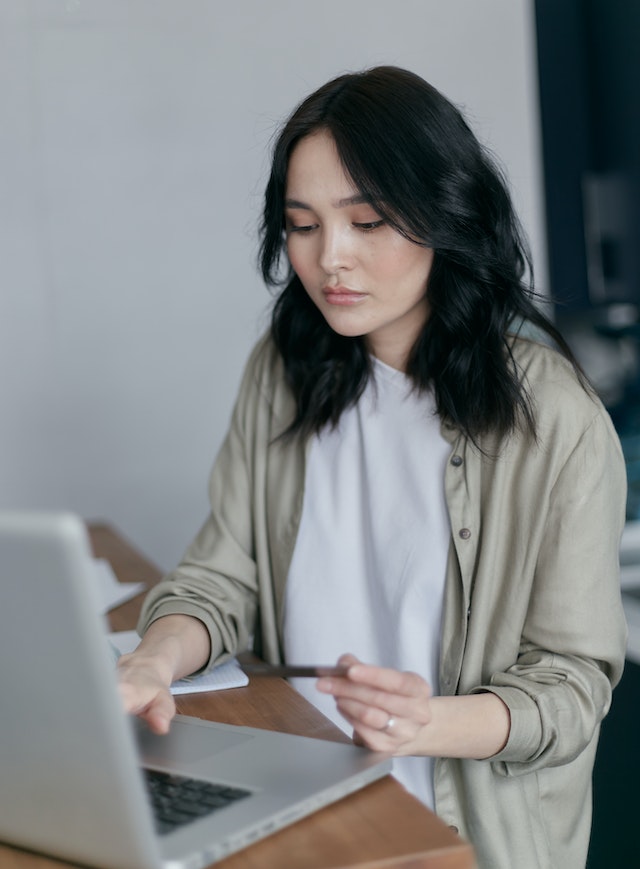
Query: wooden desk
pixel 379 827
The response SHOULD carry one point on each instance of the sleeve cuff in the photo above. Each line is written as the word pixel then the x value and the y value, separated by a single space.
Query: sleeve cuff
pixel 185 608
pixel 525 731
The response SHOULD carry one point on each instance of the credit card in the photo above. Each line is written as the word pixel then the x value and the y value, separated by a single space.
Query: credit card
pixel 287 670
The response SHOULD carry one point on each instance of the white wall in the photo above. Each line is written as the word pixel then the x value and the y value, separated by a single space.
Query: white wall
pixel 133 148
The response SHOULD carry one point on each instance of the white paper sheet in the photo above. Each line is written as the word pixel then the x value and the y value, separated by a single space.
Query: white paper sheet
pixel 112 593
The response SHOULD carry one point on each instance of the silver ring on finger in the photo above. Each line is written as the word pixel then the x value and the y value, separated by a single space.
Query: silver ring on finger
pixel 390 724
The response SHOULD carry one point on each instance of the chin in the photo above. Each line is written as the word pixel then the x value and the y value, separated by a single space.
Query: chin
pixel 347 332
pixel 346 329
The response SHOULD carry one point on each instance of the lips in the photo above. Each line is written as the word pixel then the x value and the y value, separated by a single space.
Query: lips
pixel 342 296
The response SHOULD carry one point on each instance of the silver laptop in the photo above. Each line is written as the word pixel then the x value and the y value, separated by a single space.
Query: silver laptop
pixel 75 771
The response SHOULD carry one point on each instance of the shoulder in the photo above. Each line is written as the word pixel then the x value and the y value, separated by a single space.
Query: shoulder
pixel 264 382
pixel 564 407
pixel 550 379
pixel 264 371
pixel 264 363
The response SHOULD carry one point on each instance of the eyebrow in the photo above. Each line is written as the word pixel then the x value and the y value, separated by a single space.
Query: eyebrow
pixel 356 199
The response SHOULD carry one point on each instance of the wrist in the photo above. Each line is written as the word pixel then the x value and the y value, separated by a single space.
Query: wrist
pixel 175 646
pixel 474 726
pixel 156 662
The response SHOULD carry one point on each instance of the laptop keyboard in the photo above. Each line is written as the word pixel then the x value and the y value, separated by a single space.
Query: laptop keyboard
pixel 177 800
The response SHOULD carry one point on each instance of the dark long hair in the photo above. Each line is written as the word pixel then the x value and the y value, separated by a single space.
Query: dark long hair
pixel 411 153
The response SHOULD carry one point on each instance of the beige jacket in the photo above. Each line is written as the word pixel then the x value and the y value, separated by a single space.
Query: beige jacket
pixel 532 603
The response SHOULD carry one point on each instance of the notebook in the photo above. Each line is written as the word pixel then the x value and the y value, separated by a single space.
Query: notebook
pixel 74 767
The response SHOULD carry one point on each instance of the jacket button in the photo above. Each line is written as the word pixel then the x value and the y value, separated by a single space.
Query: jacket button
pixel 456 461
pixel 464 533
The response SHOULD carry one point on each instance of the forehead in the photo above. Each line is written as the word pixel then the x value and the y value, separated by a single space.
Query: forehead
pixel 315 168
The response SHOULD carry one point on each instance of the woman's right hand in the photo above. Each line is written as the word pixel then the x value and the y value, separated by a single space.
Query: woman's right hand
pixel 145 691
pixel 172 647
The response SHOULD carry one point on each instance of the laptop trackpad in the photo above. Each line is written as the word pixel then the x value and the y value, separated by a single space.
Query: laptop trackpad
pixel 186 742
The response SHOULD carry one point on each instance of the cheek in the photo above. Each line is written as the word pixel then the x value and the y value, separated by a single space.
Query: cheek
pixel 418 269
pixel 299 258
pixel 407 274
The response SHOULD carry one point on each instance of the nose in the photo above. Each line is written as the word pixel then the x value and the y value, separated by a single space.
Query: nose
pixel 335 251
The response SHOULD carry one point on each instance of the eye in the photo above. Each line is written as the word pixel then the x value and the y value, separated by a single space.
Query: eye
pixel 370 225
pixel 304 229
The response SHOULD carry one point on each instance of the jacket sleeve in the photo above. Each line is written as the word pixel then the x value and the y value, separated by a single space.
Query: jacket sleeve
pixel 216 580
pixel 574 637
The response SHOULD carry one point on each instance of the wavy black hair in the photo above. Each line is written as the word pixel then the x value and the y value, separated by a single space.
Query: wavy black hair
pixel 412 154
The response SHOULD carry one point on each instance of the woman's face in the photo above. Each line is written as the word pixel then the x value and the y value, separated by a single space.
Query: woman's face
pixel 364 276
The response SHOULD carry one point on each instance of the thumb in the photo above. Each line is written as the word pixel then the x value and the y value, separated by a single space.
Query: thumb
pixel 347 660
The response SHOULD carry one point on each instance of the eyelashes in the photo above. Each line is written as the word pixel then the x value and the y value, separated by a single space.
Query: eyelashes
pixel 369 226
pixel 302 229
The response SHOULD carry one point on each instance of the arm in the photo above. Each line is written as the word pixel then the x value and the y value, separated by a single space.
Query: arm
pixel 474 726
pixel 216 582
pixel 573 638
pixel 173 647
pixel 564 621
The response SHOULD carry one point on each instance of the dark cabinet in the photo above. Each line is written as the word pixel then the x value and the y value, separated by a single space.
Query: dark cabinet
pixel 589 84
pixel 589 81
pixel 615 837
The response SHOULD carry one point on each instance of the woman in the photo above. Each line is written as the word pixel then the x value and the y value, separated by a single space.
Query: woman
pixel 411 485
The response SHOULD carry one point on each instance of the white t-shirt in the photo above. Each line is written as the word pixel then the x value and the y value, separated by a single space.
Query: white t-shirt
pixel 368 569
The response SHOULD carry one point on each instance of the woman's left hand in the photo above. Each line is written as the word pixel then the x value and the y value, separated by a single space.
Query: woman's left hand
pixel 387 709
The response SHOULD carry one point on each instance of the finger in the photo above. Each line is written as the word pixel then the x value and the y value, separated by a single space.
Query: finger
pixel 376 740
pixel 398 739
pixel 357 739
pixel 155 706
pixel 157 722
pixel 131 698
pixel 347 660
pixel 384 680
pixel 345 691
pixel 388 680
pixel 159 713
pixel 325 683
pixel 358 714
